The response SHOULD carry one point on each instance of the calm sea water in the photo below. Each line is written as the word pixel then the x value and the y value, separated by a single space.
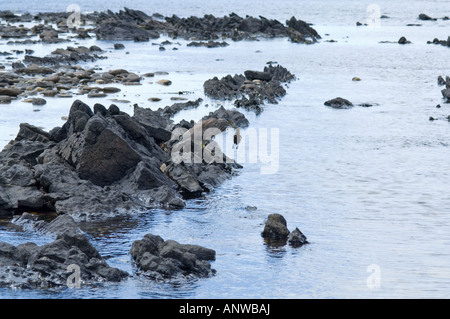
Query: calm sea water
pixel 367 186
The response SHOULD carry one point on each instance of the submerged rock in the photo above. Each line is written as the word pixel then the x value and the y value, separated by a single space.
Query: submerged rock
pixel 276 233
pixel 403 40
pixel 59 225
pixel 5 99
pixel 10 91
pixel 159 259
pixel 301 32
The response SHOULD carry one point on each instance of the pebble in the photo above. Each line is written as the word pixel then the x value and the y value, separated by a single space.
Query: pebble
pixel 38 101
pixel 96 94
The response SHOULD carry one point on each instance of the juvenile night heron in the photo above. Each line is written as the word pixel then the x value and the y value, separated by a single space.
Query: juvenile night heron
pixel 201 136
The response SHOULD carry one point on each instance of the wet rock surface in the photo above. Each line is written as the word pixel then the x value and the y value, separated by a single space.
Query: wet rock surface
pixel 102 163
pixel 252 90
pixel 445 43
pixel 445 92
pixel 209 44
pixel 236 118
pixel 275 227
pixel 62 75
pixel 159 259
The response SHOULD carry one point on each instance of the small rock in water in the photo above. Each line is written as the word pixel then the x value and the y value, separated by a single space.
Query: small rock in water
pixel 425 17
pixel 5 99
pixel 256 75
pixel 120 101
pixel 365 104
pixel 356 79
pixel 154 99
pixel 275 227
pixel 403 40
pixel 162 259
pixel 38 101
pixel 110 90
pixel 118 46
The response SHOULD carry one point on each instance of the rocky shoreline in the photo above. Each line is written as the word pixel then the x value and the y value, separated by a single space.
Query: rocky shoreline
pixel 103 164
pixel 32 78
